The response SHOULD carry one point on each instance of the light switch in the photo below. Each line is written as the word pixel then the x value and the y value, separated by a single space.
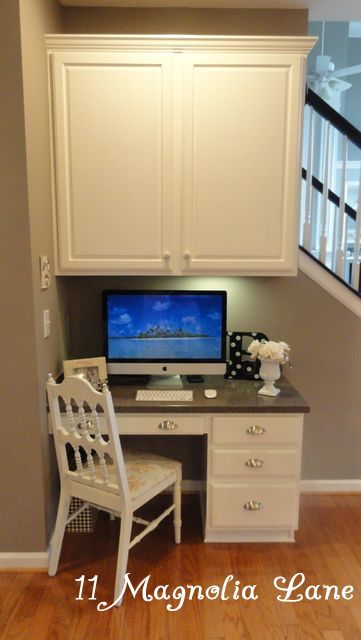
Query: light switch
pixel 44 272
pixel 46 323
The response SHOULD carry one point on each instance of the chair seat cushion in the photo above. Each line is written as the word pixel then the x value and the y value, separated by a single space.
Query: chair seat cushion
pixel 145 470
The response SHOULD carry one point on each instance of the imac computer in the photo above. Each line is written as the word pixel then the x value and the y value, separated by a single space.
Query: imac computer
pixel 165 333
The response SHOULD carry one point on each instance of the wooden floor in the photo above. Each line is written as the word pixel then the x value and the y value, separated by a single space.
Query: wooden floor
pixel 327 551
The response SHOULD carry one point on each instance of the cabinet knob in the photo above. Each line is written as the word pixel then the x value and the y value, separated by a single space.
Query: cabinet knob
pixel 167 425
pixel 187 255
pixel 256 430
pixel 254 463
pixel 253 505
pixel 166 255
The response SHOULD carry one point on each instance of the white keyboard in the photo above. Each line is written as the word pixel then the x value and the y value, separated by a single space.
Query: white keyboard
pixel 164 395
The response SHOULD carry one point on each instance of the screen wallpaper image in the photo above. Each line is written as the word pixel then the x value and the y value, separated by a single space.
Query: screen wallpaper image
pixel 164 327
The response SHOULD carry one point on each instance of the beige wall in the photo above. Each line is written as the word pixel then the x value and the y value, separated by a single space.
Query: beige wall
pixel 25 487
pixel 37 18
pixel 21 487
pixel 196 21
pixel 326 340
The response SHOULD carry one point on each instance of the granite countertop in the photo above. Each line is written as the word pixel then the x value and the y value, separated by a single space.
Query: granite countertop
pixel 233 396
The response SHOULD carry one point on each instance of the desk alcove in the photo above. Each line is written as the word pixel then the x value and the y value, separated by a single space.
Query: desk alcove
pixel 248 453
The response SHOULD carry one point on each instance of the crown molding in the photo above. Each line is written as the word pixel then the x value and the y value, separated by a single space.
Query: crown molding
pixel 300 45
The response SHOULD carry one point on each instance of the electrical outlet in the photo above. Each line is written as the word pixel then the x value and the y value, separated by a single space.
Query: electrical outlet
pixel 44 272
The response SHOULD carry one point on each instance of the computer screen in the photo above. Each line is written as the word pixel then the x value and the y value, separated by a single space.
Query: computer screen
pixel 165 332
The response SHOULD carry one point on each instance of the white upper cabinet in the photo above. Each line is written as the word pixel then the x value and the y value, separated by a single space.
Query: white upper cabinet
pixel 113 160
pixel 176 155
pixel 241 162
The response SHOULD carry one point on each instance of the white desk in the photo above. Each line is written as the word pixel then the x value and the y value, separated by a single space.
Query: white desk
pixel 253 454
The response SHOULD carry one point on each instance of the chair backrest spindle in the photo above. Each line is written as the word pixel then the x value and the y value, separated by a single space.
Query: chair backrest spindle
pixel 75 408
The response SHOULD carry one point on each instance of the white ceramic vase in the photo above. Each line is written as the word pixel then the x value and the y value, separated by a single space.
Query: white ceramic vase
pixel 269 372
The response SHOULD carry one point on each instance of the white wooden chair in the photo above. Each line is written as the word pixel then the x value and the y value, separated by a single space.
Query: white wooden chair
pixel 104 478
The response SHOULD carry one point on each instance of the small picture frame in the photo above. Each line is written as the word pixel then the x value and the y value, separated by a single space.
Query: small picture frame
pixel 94 369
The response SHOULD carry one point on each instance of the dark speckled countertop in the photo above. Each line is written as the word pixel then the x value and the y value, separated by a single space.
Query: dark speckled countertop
pixel 233 396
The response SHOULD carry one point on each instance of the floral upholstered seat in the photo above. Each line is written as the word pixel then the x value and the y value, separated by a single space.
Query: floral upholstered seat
pixel 144 470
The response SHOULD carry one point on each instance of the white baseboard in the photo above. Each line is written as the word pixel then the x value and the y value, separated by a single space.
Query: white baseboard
pixel 190 486
pixel 193 486
pixel 330 486
pixel 24 560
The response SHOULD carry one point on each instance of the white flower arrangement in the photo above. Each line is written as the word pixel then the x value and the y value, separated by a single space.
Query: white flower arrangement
pixel 270 350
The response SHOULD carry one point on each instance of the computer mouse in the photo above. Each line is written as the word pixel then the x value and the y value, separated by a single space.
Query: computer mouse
pixel 210 393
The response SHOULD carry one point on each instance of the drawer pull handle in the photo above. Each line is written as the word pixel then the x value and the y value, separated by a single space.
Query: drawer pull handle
pixel 254 463
pixel 256 430
pixel 253 505
pixel 167 425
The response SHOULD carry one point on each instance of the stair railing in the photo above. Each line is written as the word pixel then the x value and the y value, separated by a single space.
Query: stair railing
pixel 331 191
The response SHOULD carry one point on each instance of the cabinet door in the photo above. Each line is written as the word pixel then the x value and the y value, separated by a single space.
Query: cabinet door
pixel 113 161
pixel 241 162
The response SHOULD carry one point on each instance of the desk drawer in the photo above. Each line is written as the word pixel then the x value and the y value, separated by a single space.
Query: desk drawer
pixel 160 424
pixel 251 463
pixel 253 506
pixel 257 430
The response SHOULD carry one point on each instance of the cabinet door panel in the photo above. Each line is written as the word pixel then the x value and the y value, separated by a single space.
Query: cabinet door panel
pixel 113 123
pixel 241 162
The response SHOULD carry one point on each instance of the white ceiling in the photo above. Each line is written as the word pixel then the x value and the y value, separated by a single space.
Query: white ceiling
pixel 318 9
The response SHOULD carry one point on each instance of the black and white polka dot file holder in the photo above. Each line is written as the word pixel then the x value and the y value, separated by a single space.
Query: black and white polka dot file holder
pixel 239 363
